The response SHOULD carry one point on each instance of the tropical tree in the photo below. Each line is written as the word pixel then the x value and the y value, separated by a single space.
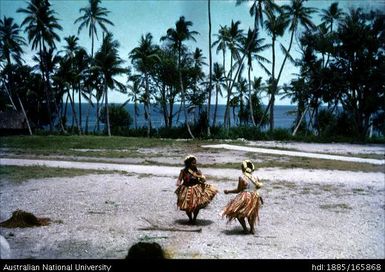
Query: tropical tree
pixel 218 78
pixel 93 16
pixel 331 15
pixel 328 17
pixel 297 14
pixel 359 67
pixel 275 25
pixel 143 58
pixel 11 42
pixel 177 36
pixel 108 63
pixel 252 46
pixel 41 24
pixel 235 37
pixel 257 8
pixel 194 76
pixel 167 83
pixel 134 95
pixel 70 49
pixel 11 48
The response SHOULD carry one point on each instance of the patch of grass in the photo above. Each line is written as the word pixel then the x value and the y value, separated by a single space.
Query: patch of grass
pixel 130 147
pixel 359 191
pixel 306 190
pixel 56 143
pixel 23 173
pixel 313 163
pixel 290 185
pixel 140 176
pixel 327 187
pixel 336 207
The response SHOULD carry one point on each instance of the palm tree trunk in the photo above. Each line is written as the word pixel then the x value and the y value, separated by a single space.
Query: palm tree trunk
pixel 300 121
pixel 45 87
pixel 265 113
pixel 74 111
pixel 210 72
pixel 9 94
pixel 88 110
pixel 148 103
pixel 135 114
pixel 80 108
pixel 273 87
pixel 107 111
pixel 183 95
pixel 226 120
pixel 25 115
pixel 184 106
pixel 284 60
pixel 216 106
pixel 250 100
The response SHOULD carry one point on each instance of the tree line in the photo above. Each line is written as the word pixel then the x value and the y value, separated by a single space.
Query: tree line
pixel 341 65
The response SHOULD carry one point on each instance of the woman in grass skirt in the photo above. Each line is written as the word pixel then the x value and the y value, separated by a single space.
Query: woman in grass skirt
pixel 246 204
pixel 193 193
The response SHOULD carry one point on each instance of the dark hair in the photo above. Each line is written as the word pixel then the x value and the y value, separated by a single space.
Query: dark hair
pixel 144 250
pixel 247 164
pixel 188 161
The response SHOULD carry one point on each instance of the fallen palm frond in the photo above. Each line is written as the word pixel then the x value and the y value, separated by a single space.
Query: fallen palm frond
pixel 155 226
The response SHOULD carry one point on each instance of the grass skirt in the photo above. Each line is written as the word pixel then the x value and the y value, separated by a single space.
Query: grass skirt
pixel 195 197
pixel 244 205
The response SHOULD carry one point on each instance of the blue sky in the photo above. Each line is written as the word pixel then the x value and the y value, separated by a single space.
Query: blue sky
pixel 134 18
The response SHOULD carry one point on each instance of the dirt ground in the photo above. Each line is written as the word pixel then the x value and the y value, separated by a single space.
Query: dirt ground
pixel 307 213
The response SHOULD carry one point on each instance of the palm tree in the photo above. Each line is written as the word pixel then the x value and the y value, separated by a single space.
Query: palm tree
pixel 10 48
pixel 108 63
pixel 93 15
pixel 10 41
pixel 275 26
pixel 297 14
pixel 177 36
pixel 235 37
pixel 134 95
pixel 332 14
pixel 144 57
pixel 328 17
pixel 70 51
pixel 222 43
pixel 257 9
pixel 41 24
pixel 218 78
pixel 251 47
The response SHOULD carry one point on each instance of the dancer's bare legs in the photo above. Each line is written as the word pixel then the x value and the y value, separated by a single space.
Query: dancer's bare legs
pixel 243 223
pixel 195 215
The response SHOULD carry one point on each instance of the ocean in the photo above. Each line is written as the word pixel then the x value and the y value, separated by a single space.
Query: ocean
pixel 284 116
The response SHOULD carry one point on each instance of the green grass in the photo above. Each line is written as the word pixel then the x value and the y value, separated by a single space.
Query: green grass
pixel 57 143
pixel 22 173
pixel 130 147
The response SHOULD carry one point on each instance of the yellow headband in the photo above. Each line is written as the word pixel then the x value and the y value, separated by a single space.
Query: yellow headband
pixel 248 169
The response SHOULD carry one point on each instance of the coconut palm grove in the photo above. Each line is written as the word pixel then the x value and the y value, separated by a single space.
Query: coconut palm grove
pixel 338 88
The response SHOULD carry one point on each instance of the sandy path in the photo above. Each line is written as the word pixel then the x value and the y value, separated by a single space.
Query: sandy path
pixel 296 153
pixel 292 175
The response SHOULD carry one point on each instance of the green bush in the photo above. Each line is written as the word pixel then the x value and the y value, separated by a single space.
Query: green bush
pixel 120 119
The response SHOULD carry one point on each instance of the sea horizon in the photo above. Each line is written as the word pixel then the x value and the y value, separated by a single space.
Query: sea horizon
pixel 284 115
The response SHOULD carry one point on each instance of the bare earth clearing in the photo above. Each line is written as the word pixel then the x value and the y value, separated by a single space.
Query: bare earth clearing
pixel 308 213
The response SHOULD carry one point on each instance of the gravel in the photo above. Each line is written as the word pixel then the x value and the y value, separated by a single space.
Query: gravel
pixel 307 214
